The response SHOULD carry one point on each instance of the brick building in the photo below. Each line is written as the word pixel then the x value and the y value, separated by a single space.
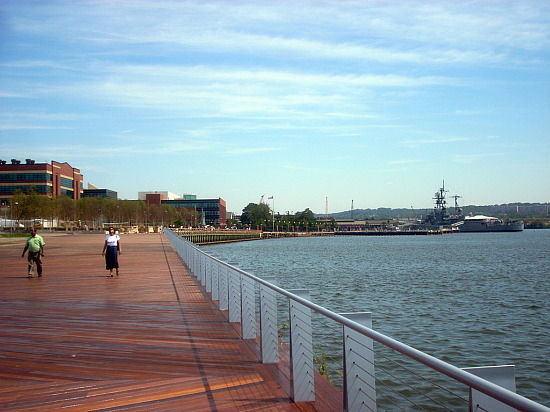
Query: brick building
pixel 53 179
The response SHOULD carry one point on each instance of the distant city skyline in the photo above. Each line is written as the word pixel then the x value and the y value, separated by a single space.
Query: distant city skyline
pixel 375 101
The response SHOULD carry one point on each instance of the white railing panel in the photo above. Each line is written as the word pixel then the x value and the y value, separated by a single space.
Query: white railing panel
pixel 234 296
pixel 359 380
pixel 208 275
pixel 248 309
pixel 203 269
pixel 269 333
pixel 301 349
pixel 224 288
pixel 216 281
pixel 504 376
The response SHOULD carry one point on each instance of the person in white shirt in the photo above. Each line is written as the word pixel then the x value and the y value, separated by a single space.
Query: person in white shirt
pixel 111 250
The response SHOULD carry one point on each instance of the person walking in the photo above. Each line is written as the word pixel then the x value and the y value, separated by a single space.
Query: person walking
pixel 111 250
pixel 35 245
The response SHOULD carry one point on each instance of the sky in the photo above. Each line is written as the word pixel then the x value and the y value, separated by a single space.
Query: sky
pixel 309 102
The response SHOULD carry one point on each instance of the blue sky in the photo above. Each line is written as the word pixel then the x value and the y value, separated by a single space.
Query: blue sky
pixel 371 101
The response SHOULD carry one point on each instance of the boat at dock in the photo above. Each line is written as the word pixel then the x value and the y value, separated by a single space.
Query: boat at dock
pixel 482 223
pixel 440 219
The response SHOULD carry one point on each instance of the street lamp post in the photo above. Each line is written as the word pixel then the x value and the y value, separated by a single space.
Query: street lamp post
pixel 5 206
pixel 11 215
pixel 273 222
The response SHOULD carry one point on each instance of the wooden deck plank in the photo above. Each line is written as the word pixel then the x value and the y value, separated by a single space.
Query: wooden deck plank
pixel 146 340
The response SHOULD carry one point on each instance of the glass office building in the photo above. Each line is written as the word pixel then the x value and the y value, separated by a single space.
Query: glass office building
pixel 209 211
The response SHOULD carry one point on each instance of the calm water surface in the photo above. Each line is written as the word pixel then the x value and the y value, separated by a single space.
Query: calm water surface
pixel 471 299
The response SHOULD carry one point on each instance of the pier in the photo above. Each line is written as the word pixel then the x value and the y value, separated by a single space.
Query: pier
pixel 146 340
pixel 204 237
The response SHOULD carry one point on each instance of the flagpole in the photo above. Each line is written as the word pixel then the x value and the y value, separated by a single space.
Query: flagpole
pixel 273 228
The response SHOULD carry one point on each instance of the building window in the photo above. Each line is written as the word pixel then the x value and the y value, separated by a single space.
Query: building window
pixel 66 182
pixel 25 177
pixel 24 189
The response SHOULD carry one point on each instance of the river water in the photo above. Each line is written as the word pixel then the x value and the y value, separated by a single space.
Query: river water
pixel 470 299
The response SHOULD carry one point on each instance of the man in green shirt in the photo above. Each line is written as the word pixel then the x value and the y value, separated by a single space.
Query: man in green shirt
pixel 35 245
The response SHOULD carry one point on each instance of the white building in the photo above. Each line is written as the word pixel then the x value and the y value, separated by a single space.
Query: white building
pixel 165 195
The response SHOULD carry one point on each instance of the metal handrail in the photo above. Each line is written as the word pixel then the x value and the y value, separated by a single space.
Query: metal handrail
pixel 495 391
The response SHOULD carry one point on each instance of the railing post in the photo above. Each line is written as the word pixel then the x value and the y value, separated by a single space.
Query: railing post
pixel 224 288
pixel 200 267
pixel 198 258
pixel 203 269
pixel 198 271
pixel 248 309
pixel 193 263
pixel 208 273
pixel 359 380
pixel 269 336
pixel 301 349
pixel 215 280
pixel 502 375
pixel 234 296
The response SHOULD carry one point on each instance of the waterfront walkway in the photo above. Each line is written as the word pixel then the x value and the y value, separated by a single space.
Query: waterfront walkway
pixel 146 340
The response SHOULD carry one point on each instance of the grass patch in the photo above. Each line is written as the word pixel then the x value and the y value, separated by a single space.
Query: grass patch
pixel 3 235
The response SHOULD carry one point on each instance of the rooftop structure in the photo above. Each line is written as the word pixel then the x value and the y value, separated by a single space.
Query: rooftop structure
pixel 164 193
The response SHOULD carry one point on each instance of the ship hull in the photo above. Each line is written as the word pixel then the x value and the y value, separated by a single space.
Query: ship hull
pixel 488 227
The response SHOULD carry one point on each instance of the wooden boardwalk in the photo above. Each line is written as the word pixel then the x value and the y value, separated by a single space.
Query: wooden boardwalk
pixel 146 340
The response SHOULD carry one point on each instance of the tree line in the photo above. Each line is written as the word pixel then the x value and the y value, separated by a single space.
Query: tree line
pixel 260 216
pixel 31 208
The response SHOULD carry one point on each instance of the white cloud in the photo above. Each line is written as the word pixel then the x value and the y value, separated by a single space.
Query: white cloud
pixel 385 32
pixel 250 150
pixel 27 126
pixel 404 162
pixel 433 141
pixel 473 158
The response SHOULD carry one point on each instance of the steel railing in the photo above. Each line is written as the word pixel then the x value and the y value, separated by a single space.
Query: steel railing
pixel 235 291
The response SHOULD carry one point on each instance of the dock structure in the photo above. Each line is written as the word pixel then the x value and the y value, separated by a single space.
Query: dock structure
pixel 145 340
pixel 205 237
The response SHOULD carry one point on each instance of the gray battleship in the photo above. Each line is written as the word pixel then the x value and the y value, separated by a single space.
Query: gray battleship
pixel 440 219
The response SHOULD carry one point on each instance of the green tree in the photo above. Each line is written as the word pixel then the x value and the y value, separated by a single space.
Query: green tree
pixel 190 216
pixel 256 214
pixel 110 211
pixel 68 209
pixel 90 210
pixel 178 221
pixel 17 205
pixel 305 219
pixel 52 209
pixel 132 211
pixel 31 205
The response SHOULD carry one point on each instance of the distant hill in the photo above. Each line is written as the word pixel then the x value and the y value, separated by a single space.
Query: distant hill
pixel 512 210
